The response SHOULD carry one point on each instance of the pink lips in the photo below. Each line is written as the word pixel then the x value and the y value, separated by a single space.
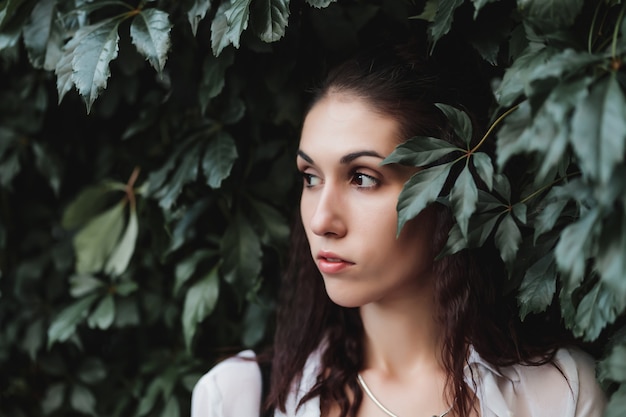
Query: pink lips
pixel 331 263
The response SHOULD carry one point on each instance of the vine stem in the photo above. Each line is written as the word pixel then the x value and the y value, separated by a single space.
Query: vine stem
pixel 593 28
pixel 492 127
pixel 545 187
pixel 130 194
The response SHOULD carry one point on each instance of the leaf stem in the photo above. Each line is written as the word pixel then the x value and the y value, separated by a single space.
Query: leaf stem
pixel 592 28
pixel 545 187
pixel 130 194
pixel 492 127
pixel 618 23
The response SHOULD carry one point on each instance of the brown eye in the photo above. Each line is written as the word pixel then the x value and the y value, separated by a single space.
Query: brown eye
pixel 310 180
pixel 364 181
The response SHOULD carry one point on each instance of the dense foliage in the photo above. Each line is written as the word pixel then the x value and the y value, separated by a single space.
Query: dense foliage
pixel 147 179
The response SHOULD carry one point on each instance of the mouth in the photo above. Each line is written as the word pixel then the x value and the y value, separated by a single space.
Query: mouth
pixel 330 263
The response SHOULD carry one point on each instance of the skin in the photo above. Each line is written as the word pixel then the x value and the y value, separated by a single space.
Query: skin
pixel 348 209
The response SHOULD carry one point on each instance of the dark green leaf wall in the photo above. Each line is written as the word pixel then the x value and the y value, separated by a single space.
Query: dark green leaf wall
pixel 147 182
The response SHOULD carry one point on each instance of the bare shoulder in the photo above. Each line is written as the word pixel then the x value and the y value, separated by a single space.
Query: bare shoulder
pixel 231 388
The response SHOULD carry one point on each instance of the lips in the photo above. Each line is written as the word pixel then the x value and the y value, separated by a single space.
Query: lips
pixel 331 263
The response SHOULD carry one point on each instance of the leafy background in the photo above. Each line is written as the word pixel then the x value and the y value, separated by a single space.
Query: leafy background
pixel 146 186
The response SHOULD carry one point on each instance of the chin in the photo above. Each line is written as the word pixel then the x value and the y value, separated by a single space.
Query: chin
pixel 343 296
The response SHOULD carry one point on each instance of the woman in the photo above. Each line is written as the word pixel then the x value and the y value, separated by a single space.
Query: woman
pixel 369 323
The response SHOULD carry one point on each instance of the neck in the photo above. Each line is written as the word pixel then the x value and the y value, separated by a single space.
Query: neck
pixel 402 336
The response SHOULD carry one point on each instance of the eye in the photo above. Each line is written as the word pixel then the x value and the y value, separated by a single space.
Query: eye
pixel 362 180
pixel 310 180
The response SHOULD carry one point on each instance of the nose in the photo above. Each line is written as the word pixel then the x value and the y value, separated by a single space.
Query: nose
pixel 328 216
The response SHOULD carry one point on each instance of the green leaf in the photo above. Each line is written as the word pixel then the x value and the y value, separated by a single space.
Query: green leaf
pixel 186 171
pixel 186 268
pixel 508 238
pixel 479 229
pixel 229 23
pixel 443 19
pixel 550 15
pixel 419 191
pixel 197 12
pixel 119 259
pixel 319 4
pixel 598 308
pixel 463 198
pixel 92 370
pixel 511 139
pixel 548 216
pixel 275 227
pixel 83 284
pixel 617 403
pixel 94 243
pixel 172 408
pixel 613 367
pixel 538 287
pixel 519 211
pixel 104 314
pixel 92 48
pixel 214 76
pixel 241 251
pixel 88 203
pixel 83 400
pixel 126 288
pixel 43 36
pixel 64 324
pixel 270 18
pixel 502 186
pixel 573 248
pixel 599 130
pixel 429 12
pixel 199 303
pixel 420 151
pixel 479 4
pixel 611 258
pixel 150 33
pixel 484 168
pixel 516 77
pixel 53 398
pixel 218 160
pixel 459 120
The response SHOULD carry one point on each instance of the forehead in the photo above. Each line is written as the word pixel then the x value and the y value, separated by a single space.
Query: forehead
pixel 347 123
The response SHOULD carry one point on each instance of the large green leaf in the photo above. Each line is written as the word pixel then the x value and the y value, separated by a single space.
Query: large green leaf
pixel 599 129
pixel 64 324
pixel 92 48
pixel 420 190
pixel 94 243
pixel 617 403
pixel 613 367
pixel 87 204
pixel 229 23
pixel 103 315
pixel 538 287
pixel 214 76
pixel 550 15
pixel 43 36
pixel 484 168
pixel 83 400
pixel 508 238
pixel 199 303
pixel 119 259
pixel 463 198
pixel 270 18
pixel 420 151
pixel 150 32
pixel 598 308
pixel 186 268
pixel 241 252
pixel 219 157
pixel 574 247
pixel 81 285
pixel 443 19
pixel 516 78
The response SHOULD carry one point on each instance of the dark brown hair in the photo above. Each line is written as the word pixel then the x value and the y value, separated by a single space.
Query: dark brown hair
pixel 471 307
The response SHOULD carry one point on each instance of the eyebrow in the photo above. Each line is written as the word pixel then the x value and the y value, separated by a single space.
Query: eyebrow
pixel 346 159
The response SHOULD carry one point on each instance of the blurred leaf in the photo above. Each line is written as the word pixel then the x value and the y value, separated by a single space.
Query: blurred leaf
pixel 186 268
pixel 92 370
pixel 443 19
pixel 64 324
pixel 119 259
pixel 88 203
pixel 551 14
pixel 126 288
pixel 172 408
pixel 419 191
pixel 43 36
pixel 83 284
pixel 573 248
pixel 199 303
pixel 83 400
pixel 186 171
pixel 269 18
pixel 320 4
pixel 103 315
pixel 228 24
pixel 617 403
pixel 34 338
pixel 254 321
pixel 613 367
pixel 538 287
pixel 420 151
pixel 197 12
pixel 463 197
pixel 274 226
pixel 508 238
pixel 94 243
pixel 53 399
pixel 599 129
pixel 484 168
pixel 611 258
pixel 218 160
pixel 459 120
pixel 241 252
pixel 599 307
pixel 516 77
pixel 214 76
pixel 150 32
pixel 49 166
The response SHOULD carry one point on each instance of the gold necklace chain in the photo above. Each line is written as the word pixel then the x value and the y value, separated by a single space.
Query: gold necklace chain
pixel 371 396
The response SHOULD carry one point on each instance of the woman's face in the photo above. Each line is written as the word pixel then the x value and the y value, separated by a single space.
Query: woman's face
pixel 348 206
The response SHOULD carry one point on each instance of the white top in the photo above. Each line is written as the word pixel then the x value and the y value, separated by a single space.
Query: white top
pixel 233 388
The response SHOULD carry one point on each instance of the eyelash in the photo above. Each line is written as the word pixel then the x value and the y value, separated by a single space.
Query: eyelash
pixel 355 177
